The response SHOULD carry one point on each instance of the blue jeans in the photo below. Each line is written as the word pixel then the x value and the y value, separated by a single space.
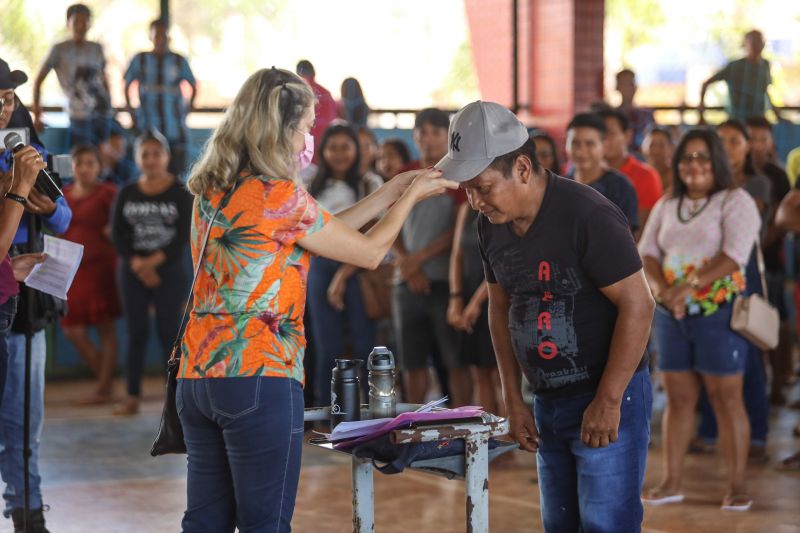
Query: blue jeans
pixel 11 421
pixel 593 489
pixel 244 437
pixel 330 325
pixel 7 312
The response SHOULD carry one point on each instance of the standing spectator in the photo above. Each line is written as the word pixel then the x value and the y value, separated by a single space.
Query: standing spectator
pixel 368 150
pixel 116 166
pixel 748 79
pixel 41 213
pixel 150 230
pixel 762 155
pixel 338 185
pixel 546 151
pixel 585 138
pixel 640 118
pixel 393 157
pixel 645 179
pixel 658 147
pixel 325 110
pixel 422 262
pixel 93 299
pixel 468 311
pixel 80 68
pixel 694 248
pixel 353 107
pixel 160 75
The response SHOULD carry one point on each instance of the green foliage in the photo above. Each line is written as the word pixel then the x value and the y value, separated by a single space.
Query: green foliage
pixel 460 85
pixel 20 35
pixel 202 17
pixel 636 19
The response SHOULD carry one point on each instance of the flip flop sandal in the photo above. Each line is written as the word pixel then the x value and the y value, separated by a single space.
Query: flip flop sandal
pixel 737 502
pixel 790 464
pixel 656 497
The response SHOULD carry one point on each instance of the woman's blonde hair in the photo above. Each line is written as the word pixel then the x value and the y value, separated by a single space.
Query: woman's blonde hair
pixel 255 133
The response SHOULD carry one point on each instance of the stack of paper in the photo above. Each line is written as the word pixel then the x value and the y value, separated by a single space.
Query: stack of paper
pixel 55 274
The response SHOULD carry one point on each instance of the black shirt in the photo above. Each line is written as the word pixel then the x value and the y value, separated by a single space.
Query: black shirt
pixel 143 224
pixel 619 189
pixel 560 323
pixel 780 188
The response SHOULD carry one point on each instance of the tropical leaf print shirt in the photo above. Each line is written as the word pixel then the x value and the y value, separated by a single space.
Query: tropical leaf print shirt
pixel 247 316
pixel 729 223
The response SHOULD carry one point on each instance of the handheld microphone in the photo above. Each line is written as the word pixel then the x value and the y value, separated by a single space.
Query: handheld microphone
pixel 45 184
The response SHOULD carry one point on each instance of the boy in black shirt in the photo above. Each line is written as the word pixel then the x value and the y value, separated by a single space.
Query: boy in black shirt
pixel 568 298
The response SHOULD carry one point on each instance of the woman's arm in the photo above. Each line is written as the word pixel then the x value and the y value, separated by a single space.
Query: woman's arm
pixel 339 241
pixel 455 308
pixel 371 206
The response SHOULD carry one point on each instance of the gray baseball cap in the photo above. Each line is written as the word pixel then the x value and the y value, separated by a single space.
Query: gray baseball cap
pixel 480 132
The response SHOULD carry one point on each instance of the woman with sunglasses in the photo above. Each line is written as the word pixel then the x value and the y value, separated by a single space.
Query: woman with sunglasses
pixel 695 246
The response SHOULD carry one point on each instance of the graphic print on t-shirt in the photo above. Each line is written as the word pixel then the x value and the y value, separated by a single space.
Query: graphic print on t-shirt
pixel 153 223
pixel 549 352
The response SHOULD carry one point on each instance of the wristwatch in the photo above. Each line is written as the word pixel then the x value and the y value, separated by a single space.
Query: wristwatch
pixel 16 198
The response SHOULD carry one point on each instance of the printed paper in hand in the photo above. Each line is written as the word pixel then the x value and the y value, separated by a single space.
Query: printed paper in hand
pixel 54 276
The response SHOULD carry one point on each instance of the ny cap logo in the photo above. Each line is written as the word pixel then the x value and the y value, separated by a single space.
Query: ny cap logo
pixel 455 139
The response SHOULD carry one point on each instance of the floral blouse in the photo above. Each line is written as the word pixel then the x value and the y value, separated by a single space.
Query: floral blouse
pixel 728 222
pixel 248 303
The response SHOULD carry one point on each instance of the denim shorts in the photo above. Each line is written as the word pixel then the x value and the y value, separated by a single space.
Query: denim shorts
pixel 705 344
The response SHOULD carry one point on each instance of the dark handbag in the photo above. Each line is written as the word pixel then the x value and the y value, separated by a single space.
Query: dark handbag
pixel 170 432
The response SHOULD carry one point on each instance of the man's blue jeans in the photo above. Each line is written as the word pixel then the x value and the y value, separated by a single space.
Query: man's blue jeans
pixel 244 438
pixel 11 421
pixel 593 489
pixel 7 312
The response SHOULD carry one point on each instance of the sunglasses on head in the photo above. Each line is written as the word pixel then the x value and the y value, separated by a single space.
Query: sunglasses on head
pixel 701 157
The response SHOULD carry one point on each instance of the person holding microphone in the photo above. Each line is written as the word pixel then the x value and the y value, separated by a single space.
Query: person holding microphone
pixel 239 394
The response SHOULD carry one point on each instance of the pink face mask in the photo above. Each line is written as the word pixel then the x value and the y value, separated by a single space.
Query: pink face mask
pixel 304 158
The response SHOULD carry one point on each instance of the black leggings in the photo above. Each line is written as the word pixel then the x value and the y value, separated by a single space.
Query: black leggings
pixel 168 299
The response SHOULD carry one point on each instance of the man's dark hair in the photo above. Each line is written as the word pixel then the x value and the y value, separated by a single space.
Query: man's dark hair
pixel 661 130
pixel 433 116
pixel 159 23
pixel 305 68
pixel 505 163
pixel 759 122
pixel 588 120
pixel 625 72
pixel 78 9
pixel 84 148
pixel 616 114
pixel 720 168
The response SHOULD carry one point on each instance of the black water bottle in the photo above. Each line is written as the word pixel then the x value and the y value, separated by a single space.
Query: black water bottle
pixel 345 392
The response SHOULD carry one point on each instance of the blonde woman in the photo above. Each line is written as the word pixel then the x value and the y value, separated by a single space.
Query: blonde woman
pixel 239 390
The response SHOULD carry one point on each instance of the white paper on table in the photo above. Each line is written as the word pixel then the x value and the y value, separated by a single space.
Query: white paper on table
pixel 55 274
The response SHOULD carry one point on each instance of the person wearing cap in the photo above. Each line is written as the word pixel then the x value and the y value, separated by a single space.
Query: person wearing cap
pixel 55 216
pixel 80 67
pixel 568 298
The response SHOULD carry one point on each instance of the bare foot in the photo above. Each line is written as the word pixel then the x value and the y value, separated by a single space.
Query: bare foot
pixel 127 408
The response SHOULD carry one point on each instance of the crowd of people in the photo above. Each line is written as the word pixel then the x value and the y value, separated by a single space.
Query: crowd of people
pixel 290 172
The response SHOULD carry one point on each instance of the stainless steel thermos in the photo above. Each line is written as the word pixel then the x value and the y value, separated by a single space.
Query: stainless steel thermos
pixel 381 376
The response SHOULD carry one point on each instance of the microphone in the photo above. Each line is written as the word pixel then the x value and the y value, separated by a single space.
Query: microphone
pixel 45 184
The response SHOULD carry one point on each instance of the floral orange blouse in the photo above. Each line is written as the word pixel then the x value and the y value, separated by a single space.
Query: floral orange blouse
pixel 247 316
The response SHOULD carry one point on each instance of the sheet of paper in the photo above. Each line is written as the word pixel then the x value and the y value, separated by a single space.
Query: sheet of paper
pixel 54 276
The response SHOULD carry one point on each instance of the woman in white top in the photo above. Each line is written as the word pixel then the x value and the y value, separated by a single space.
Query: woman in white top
pixel 338 185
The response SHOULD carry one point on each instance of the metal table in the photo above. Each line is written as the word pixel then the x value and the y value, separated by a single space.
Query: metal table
pixel 476 437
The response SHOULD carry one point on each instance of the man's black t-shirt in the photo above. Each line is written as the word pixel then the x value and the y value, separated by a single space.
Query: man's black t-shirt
pixel 560 323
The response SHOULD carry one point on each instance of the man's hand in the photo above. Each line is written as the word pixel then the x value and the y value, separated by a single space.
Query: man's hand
pixel 419 284
pixel 40 204
pixel 23 264
pixel 600 423
pixel 408 265
pixel 522 428
pixel 455 310
pixel 471 314
pixel 336 291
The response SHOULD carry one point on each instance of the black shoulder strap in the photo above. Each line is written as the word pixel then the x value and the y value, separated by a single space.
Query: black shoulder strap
pixel 176 345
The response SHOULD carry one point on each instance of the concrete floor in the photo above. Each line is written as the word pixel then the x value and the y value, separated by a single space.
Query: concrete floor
pixel 99 477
